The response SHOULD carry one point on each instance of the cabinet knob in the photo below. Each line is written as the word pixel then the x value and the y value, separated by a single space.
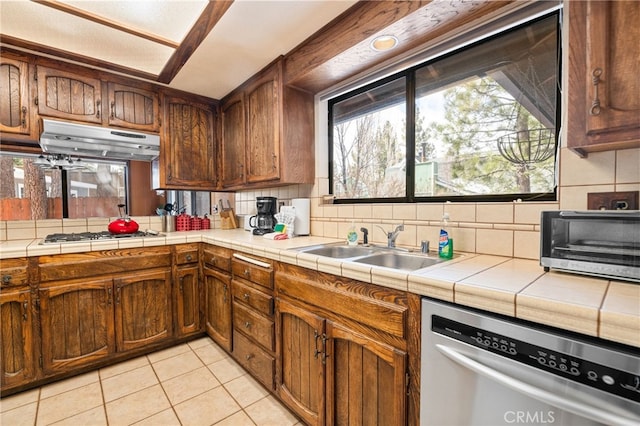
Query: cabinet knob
pixel 213 261
pixel 247 273
pixel 6 279
pixel 189 258
pixel 247 324
pixel 248 357
pixel 245 297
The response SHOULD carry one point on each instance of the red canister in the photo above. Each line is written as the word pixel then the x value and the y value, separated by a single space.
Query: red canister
pixel 196 223
pixel 206 222
pixel 183 222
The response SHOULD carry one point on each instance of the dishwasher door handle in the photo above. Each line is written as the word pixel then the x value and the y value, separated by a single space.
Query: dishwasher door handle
pixel 561 402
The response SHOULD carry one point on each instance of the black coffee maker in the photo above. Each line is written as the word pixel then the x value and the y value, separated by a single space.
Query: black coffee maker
pixel 264 221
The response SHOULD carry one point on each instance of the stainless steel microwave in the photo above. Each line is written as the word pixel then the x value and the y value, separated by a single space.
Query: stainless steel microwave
pixel 604 243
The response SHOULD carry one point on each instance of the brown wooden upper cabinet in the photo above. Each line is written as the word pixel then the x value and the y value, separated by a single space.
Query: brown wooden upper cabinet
pixel 69 96
pixel 187 148
pixel 15 116
pixel 604 59
pixel 133 108
pixel 232 112
pixel 267 133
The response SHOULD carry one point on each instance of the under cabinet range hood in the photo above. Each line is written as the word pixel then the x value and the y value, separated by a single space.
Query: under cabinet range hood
pixel 59 137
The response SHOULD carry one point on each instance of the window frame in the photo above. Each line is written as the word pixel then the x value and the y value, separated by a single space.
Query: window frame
pixel 409 74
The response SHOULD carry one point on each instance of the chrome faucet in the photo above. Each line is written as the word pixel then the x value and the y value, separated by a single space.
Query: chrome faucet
pixel 391 236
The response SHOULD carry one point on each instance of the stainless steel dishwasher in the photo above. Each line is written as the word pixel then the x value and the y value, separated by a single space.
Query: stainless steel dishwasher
pixel 484 369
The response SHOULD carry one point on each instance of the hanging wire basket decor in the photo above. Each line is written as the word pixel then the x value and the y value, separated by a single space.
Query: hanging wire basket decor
pixel 529 146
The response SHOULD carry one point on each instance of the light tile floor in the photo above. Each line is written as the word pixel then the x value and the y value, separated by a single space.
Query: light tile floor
pixel 192 384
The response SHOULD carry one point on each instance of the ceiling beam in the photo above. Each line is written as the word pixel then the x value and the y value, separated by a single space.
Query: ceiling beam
pixel 80 13
pixel 212 13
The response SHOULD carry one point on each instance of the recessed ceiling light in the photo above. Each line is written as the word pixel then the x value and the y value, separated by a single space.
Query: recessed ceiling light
pixel 384 42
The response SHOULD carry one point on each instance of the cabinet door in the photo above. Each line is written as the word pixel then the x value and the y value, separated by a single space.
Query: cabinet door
pixel 603 76
pixel 77 324
pixel 70 96
pixel 188 148
pixel 264 123
pixel 14 97
pixel 217 287
pixel 614 52
pixel 365 380
pixel 133 108
pixel 301 363
pixel 233 140
pixel 187 301
pixel 17 337
pixel 143 309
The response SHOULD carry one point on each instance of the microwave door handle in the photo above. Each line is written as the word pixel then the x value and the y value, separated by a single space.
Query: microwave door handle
pixel 573 406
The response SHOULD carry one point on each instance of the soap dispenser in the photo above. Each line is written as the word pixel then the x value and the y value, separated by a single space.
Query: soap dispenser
pixel 352 235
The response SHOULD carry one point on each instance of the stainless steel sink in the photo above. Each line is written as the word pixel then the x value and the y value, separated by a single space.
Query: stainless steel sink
pixel 404 262
pixel 374 255
pixel 342 252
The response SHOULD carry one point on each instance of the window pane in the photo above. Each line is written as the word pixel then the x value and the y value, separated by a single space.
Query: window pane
pixel 486 117
pixel 97 189
pixel 28 192
pixel 368 143
pixel 32 192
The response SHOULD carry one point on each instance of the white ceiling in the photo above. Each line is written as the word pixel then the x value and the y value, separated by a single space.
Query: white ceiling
pixel 249 35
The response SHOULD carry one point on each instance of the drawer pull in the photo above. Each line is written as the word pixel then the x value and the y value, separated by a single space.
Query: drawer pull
pixel 248 357
pixel 247 324
pixel 251 260
pixel 247 273
pixel 6 279
pixel 189 258
pixel 213 261
pixel 245 297
pixel 25 310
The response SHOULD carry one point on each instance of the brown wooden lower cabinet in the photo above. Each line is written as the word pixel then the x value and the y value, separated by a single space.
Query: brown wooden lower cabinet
pixel 77 321
pixel 334 375
pixel 187 298
pixel 16 326
pixel 217 289
pixel 142 309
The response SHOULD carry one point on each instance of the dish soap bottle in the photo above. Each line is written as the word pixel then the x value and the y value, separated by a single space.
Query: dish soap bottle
pixel 352 235
pixel 445 243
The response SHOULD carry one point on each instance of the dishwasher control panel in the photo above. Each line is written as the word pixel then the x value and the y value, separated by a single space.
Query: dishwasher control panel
pixel 622 383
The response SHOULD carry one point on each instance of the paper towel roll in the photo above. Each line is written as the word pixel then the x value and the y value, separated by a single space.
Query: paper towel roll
pixel 303 215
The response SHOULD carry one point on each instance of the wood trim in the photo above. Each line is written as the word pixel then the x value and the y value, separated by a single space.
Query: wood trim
pixel 340 50
pixel 106 22
pixel 208 19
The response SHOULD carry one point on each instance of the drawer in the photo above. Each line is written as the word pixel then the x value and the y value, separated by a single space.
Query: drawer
pixel 217 257
pixel 254 325
pixel 187 254
pixel 257 300
pixel 258 362
pixel 261 274
pixel 14 272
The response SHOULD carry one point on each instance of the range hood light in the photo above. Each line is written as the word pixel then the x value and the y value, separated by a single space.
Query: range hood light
pixel 42 162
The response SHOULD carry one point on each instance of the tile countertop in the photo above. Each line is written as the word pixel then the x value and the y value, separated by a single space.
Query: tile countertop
pixel 510 286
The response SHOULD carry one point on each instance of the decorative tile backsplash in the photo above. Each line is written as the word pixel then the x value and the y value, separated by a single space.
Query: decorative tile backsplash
pixel 503 229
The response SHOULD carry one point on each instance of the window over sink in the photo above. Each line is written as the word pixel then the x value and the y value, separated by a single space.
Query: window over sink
pixel 479 123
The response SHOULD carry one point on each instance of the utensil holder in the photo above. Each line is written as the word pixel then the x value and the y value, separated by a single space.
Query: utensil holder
pixel 168 223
